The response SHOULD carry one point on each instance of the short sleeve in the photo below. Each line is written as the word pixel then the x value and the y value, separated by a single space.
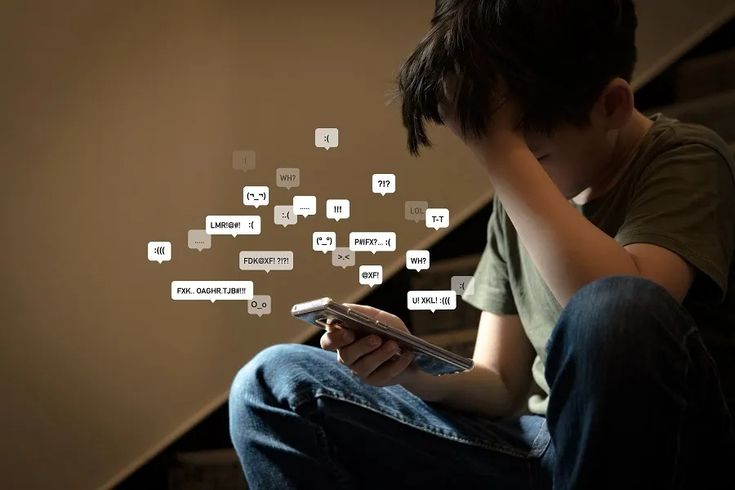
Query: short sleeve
pixel 489 289
pixel 684 201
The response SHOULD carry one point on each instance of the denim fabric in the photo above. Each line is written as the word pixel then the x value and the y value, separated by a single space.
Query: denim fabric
pixel 635 403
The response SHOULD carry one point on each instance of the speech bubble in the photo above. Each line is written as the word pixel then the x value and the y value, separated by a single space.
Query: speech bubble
pixel 262 260
pixel 199 240
pixel 372 241
pixel 371 274
pixel 232 225
pixel 417 259
pixel 338 209
pixel 243 160
pixel 260 305
pixel 159 252
pixel 326 138
pixel 431 300
pixel 460 284
pixel 324 241
pixel 288 177
pixel 437 218
pixel 343 257
pixel 211 290
pixel 384 184
pixel 284 215
pixel 415 210
pixel 255 195
pixel 304 205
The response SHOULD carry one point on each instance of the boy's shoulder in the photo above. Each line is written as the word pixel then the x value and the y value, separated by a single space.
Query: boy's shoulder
pixel 671 135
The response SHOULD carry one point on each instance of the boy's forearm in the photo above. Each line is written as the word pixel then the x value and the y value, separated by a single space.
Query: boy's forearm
pixel 568 250
pixel 479 390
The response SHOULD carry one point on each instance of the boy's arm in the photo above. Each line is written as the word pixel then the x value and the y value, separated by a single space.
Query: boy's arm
pixel 567 249
pixel 500 378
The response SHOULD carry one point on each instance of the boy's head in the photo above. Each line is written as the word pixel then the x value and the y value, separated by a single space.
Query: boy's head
pixel 561 60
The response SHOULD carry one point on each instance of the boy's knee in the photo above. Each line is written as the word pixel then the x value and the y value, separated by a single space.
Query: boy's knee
pixel 614 313
pixel 272 372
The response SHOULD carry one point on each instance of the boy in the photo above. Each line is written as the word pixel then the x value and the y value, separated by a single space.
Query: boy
pixel 607 285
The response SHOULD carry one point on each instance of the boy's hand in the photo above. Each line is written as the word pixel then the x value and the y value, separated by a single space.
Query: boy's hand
pixel 501 134
pixel 379 364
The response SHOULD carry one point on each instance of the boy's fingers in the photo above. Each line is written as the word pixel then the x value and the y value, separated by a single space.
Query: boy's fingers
pixel 368 363
pixel 336 339
pixel 374 313
pixel 390 369
pixel 364 309
pixel 351 353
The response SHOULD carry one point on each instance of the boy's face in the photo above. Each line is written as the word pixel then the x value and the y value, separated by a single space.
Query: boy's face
pixel 574 158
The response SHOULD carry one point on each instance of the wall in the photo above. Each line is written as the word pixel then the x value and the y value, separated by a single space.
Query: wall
pixel 117 126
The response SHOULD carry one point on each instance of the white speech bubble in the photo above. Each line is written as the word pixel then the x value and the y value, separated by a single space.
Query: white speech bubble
pixel 232 225
pixel 326 138
pixel 437 218
pixel 323 241
pixel 288 177
pixel 284 215
pixel 255 195
pixel 199 240
pixel 372 241
pixel 460 284
pixel 431 300
pixel 260 305
pixel 159 252
pixel 243 160
pixel 371 274
pixel 417 259
pixel 211 290
pixel 338 209
pixel 304 205
pixel 384 184
pixel 262 260
pixel 415 210
pixel 343 257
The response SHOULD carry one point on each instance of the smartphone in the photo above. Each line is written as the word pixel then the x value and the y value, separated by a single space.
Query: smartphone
pixel 427 356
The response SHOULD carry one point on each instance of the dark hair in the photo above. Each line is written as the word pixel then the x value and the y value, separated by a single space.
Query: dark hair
pixel 555 57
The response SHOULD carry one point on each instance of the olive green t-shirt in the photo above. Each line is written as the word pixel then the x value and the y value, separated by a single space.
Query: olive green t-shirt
pixel 678 193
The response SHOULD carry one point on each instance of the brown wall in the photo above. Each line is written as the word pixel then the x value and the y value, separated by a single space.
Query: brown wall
pixel 117 123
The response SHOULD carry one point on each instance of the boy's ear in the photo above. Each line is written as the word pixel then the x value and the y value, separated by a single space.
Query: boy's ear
pixel 614 106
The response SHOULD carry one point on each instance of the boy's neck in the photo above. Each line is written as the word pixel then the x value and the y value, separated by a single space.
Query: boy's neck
pixel 629 139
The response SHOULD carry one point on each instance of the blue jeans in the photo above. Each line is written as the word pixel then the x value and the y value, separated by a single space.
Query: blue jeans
pixel 635 403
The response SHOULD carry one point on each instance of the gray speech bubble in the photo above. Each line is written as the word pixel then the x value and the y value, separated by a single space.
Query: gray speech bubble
pixel 271 260
pixel 415 210
pixel 199 240
pixel 288 177
pixel 284 215
pixel 243 160
pixel 260 305
pixel 343 257
pixel 460 284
